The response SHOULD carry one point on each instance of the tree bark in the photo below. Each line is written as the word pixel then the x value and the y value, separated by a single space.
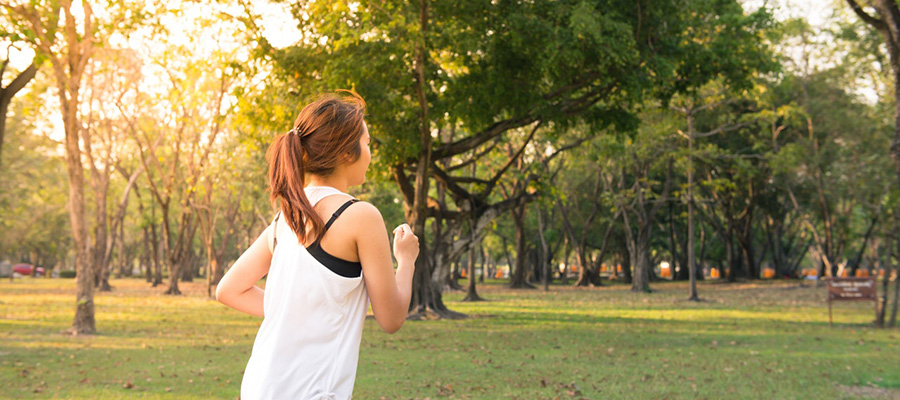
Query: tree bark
pixel 517 275
pixel 893 321
pixel 471 291
pixel 854 264
pixel 638 242
pixel 564 275
pixel 545 259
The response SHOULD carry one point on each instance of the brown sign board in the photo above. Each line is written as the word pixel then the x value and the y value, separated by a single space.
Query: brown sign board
pixel 852 289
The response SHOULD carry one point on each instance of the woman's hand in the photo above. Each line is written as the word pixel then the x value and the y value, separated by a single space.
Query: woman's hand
pixel 406 245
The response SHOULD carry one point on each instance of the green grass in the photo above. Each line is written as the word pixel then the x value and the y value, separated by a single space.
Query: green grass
pixel 746 340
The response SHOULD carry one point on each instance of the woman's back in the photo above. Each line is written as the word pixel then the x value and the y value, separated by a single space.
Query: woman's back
pixel 321 275
pixel 308 344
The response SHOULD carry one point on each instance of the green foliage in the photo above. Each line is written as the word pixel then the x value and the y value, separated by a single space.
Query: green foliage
pixel 485 62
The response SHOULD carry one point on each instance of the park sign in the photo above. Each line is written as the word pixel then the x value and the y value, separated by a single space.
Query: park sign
pixel 851 289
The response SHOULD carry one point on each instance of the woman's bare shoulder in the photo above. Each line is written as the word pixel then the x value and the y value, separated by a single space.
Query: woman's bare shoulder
pixel 365 213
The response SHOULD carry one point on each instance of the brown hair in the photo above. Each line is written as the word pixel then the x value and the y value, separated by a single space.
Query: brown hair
pixel 325 135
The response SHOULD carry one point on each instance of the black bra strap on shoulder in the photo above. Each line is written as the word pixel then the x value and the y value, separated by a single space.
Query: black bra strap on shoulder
pixel 338 214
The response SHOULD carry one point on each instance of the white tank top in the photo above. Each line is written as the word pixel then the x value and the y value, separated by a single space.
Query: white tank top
pixel 307 347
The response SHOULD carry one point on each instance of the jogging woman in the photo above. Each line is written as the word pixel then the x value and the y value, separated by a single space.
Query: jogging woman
pixel 326 257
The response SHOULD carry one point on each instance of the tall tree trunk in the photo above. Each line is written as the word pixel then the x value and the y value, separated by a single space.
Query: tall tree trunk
pixel 147 256
pixel 172 260
pixel 749 257
pixel 701 259
pixel 893 320
pixel 471 292
pixel 121 258
pixel 854 264
pixel 679 266
pixel 212 268
pixel 882 303
pixel 101 230
pixel 426 293
pixel 545 259
pixel 157 263
pixel 731 257
pixel 517 275
pixel 485 262
pixel 640 259
pixel 626 265
pixel 84 322
pixel 189 266
pixel 69 52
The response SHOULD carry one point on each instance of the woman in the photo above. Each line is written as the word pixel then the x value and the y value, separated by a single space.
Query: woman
pixel 326 256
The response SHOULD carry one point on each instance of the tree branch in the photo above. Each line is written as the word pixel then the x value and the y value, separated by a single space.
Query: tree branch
pixel 493 182
pixel 875 22
pixel 477 139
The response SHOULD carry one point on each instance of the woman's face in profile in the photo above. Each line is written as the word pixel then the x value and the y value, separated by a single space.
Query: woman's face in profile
pixel 358 168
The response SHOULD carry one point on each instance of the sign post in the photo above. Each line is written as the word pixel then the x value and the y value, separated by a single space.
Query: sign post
pixel 851 289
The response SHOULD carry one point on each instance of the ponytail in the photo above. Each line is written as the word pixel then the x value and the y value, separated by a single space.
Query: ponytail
pixel 325 134
pixel 286 159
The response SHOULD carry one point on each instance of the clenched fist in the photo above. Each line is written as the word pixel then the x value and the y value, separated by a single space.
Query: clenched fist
pixel 406 244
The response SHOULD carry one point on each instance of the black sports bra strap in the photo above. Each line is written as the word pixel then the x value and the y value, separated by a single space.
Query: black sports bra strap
pixel 338 214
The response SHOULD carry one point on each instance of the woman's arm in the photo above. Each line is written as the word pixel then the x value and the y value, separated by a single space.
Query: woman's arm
pixel 389 293
pixel 238 289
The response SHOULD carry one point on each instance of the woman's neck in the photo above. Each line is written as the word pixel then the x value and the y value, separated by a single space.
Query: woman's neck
pixel 330 181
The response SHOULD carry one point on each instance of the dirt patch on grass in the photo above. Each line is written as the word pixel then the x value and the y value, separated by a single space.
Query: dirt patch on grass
pixel 869 392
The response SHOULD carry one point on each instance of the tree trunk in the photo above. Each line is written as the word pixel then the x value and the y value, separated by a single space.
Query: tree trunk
pixel 147 256
pixel 881 305
pixel 122 259
pixel 545 259
pixel 893 320
pixel 84 322
pixel 517 275
pixel 731 257
pixel 157 264
pixel 101 230
pixel 485 262
pixel 854 264
pixel 678 266
pixel 212 269
pixel 471 292
pixel 588 273
pixel 640 259
pixel 190 266
pixel 169 254
pixel 564 275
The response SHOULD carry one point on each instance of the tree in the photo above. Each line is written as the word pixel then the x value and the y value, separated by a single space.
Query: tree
pixel 689 108
pixel 487 70
pixel 886 21
pixel 68 51
pixel 644 161
pixel 112 77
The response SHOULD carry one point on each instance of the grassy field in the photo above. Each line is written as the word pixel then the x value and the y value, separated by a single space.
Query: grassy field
pixel 746 341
